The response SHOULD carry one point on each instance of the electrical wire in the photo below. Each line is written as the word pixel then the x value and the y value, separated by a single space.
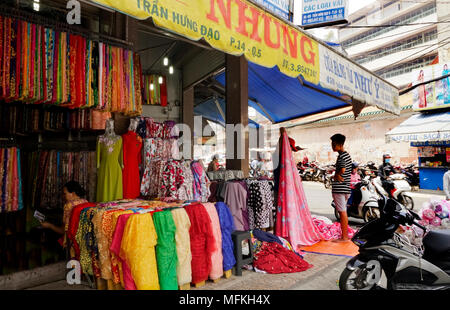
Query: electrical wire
pixel 440 46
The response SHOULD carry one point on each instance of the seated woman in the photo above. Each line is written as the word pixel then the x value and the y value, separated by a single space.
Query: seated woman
pixel 355 178
pixel 73 193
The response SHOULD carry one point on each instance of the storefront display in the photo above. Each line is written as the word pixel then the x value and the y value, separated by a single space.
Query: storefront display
pixel 155 90
pixel 47 66
pixel 433 163
pixel 11 198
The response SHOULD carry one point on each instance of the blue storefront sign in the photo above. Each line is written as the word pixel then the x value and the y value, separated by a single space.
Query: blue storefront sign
pixel 314 12
pixel 431 143
pixel 279 7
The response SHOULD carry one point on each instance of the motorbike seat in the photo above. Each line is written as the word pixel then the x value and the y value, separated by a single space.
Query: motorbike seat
pixel 437 241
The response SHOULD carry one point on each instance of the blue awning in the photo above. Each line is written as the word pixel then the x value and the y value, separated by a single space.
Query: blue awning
pixel 282 98
pixel 209 110
pixel 422 128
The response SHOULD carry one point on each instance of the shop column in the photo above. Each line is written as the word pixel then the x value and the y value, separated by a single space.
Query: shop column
pixel 237 143
pixel 188 119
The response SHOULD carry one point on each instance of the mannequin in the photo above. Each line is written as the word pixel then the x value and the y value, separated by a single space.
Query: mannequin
pixel 109 165
pixel 133 125
pixel 132 158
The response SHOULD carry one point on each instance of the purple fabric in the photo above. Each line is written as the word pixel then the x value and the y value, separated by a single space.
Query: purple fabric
pixel 236 199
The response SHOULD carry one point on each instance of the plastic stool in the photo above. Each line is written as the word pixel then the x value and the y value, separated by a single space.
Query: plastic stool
pixel 241 260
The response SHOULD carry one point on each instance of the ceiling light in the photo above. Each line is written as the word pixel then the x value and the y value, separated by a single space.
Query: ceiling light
pixel 166 61
pixel 171 69
pixel 160 80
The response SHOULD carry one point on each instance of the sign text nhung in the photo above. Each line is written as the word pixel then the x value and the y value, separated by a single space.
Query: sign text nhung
pixel 341 75
pixel 235 27
pixel 318 12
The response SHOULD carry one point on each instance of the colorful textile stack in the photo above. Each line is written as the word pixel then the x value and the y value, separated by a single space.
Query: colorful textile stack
pixel 50 170
pixel 41 65
pixel 11 198
pixel 156 94
pixel 201 182
pixel 25 119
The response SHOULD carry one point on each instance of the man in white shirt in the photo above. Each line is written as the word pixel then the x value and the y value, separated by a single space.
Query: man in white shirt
pixel 447 184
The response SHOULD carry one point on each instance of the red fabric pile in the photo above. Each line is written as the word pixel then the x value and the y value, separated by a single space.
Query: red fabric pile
pixel 202 242
pixel 274 258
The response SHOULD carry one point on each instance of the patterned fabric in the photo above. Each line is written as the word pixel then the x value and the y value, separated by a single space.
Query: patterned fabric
pixel 260 203
pixel 172 179
pixel 11 196
pixel 274 258
pixel 201 182
pixel 293 221
pixel 40 65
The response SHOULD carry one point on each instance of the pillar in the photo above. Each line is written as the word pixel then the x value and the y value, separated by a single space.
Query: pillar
pixel 237 113
pixel 188 118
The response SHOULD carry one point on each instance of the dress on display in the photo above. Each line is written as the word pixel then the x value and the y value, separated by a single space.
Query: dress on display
pixel 132 145
pixel 109 164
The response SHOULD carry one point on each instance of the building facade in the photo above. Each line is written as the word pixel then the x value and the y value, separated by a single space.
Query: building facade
pixel 392 38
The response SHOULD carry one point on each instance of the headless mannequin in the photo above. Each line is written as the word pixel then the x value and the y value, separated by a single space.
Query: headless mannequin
pixel 133 124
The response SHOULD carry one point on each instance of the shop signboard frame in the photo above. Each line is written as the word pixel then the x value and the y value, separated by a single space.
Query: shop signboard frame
pixel 320 13
pixel 242 27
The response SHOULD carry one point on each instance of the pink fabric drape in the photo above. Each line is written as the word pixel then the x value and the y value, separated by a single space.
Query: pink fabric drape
pixel 216 256
pixel 294 221
pixel 115 248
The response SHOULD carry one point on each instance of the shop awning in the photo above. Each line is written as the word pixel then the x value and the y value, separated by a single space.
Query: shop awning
pixel 281 98
pixel 209 110
pixel 422 128
pixel 242 27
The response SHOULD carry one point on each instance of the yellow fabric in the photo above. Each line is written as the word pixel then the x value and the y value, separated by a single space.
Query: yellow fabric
pixel 138 249
pixel 183 243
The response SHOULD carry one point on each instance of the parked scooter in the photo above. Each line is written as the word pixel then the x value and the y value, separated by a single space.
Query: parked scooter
pixel 412 176
pixel 388 260
pixel 364 204
pixel 329 174
pixel 400 189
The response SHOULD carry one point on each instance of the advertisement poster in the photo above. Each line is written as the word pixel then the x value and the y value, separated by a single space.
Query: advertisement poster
pixel 434 95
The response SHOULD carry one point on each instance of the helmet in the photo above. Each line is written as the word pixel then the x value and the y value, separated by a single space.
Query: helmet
pixel 354 165
pixel 386 156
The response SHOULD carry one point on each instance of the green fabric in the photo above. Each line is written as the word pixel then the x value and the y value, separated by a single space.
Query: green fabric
pixel 166 251
pixel 110 165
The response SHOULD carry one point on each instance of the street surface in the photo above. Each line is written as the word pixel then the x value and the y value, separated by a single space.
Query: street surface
pixel 323 276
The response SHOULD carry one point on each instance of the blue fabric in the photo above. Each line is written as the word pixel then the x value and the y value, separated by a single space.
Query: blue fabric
pixel 283 97
pixel 227 227
pixel 265 236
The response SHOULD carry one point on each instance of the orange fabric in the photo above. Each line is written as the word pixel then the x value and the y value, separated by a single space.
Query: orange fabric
pixel 332 248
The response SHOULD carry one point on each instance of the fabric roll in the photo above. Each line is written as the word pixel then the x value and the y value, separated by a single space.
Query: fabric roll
pixel 202 242
pixel 226 228
pixel 166 251
pixel 216 256
pixel 138 250
pixel 183 244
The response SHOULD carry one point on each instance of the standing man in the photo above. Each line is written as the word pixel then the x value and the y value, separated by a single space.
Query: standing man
pixel 447 184
pixel 341 183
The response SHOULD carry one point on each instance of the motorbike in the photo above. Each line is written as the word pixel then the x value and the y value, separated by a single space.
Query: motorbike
pixel 365 202
pixel 389 260
pixel 412 176
pixel 400 187
pixel 320 174
pixel 329 174
pixel 371 168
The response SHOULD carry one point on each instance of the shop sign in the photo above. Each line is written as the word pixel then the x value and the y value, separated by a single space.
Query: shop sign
pixel 236 27
pixel 279 7
pixel 339 74
pixel 320 12
pixel 431 143
pixel 421 137
pixel 434 95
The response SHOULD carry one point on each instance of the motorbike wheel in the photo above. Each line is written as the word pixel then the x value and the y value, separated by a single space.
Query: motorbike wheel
pixel 327 183
pixel 370 214
pixel 407 201
pixel 358 281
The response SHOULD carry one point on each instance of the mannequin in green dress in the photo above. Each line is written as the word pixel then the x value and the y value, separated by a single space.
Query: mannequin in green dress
pixel 109 165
